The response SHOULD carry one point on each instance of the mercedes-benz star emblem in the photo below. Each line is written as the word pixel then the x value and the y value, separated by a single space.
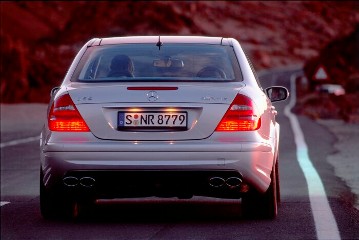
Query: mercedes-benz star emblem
pixel 152 96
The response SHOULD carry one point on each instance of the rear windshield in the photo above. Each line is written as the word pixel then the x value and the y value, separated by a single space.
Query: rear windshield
pixel 169 62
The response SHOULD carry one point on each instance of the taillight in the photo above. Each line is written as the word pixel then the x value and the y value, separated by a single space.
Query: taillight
pixel 241 115
pixel 65 117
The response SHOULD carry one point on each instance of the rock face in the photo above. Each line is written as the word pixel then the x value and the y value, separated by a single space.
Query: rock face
pixel 340 58
pixel 39 39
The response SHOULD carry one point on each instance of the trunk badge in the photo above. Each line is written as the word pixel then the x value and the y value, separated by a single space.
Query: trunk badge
pixel 152 96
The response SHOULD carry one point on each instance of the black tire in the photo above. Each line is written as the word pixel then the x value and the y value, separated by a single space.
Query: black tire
pixel 277 181
pixel 53 205
pixel 257 205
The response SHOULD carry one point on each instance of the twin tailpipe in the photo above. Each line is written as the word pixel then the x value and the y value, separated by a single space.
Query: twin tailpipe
pixel 87 182
pixel 219 182
pixel 215 182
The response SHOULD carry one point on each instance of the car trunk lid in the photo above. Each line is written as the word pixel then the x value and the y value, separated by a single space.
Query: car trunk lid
pixel 171 111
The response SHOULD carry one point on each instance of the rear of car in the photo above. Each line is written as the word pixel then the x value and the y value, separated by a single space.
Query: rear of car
pixel 160 116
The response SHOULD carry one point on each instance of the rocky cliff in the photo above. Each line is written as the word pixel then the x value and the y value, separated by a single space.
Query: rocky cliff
pixel 340 61
pixel 39 39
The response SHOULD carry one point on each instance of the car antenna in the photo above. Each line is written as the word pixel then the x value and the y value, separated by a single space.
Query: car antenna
pixel 159 43
pixel 221 40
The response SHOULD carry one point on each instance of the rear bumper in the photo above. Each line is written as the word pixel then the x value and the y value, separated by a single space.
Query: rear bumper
pixel 124 162
pixel 144 183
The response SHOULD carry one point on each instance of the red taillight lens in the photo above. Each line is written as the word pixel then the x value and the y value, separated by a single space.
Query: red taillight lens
pixel 64 116
pixel 240 116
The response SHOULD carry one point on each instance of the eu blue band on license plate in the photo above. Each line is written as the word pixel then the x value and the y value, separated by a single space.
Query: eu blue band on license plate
pixel 158 120
pixel 121 119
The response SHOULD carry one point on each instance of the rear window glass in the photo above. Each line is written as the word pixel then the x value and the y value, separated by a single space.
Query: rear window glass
pixel 148 62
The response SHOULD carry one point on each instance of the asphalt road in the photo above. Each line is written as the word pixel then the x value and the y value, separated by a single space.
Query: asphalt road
pixel 198 218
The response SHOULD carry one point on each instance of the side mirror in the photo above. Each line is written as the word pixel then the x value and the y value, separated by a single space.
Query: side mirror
pixel 277 93
pixel 54 91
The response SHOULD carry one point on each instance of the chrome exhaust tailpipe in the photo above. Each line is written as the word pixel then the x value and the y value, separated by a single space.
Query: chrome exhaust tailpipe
pixel 70 181
pixel 88 182
pixel 233 182
pixel 216 182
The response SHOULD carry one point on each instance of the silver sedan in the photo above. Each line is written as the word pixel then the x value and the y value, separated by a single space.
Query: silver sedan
pixel 163 116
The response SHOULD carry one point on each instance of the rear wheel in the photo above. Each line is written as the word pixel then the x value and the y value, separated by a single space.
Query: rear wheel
pixel 53 205
pixel 277 181
pixel 257 205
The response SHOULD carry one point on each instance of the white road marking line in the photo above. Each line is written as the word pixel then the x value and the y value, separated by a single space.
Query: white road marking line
pixel 19 141
pixel 325 224
pixel 3 203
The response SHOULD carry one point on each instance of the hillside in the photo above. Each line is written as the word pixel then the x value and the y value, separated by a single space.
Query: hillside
pixel 39 39
pixel 340 59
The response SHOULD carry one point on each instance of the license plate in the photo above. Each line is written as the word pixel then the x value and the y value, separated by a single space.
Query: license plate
pixel 155 120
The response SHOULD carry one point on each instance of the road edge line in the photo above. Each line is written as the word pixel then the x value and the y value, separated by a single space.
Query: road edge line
pixel 19 141
pixel 325 223
pixel 3 203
